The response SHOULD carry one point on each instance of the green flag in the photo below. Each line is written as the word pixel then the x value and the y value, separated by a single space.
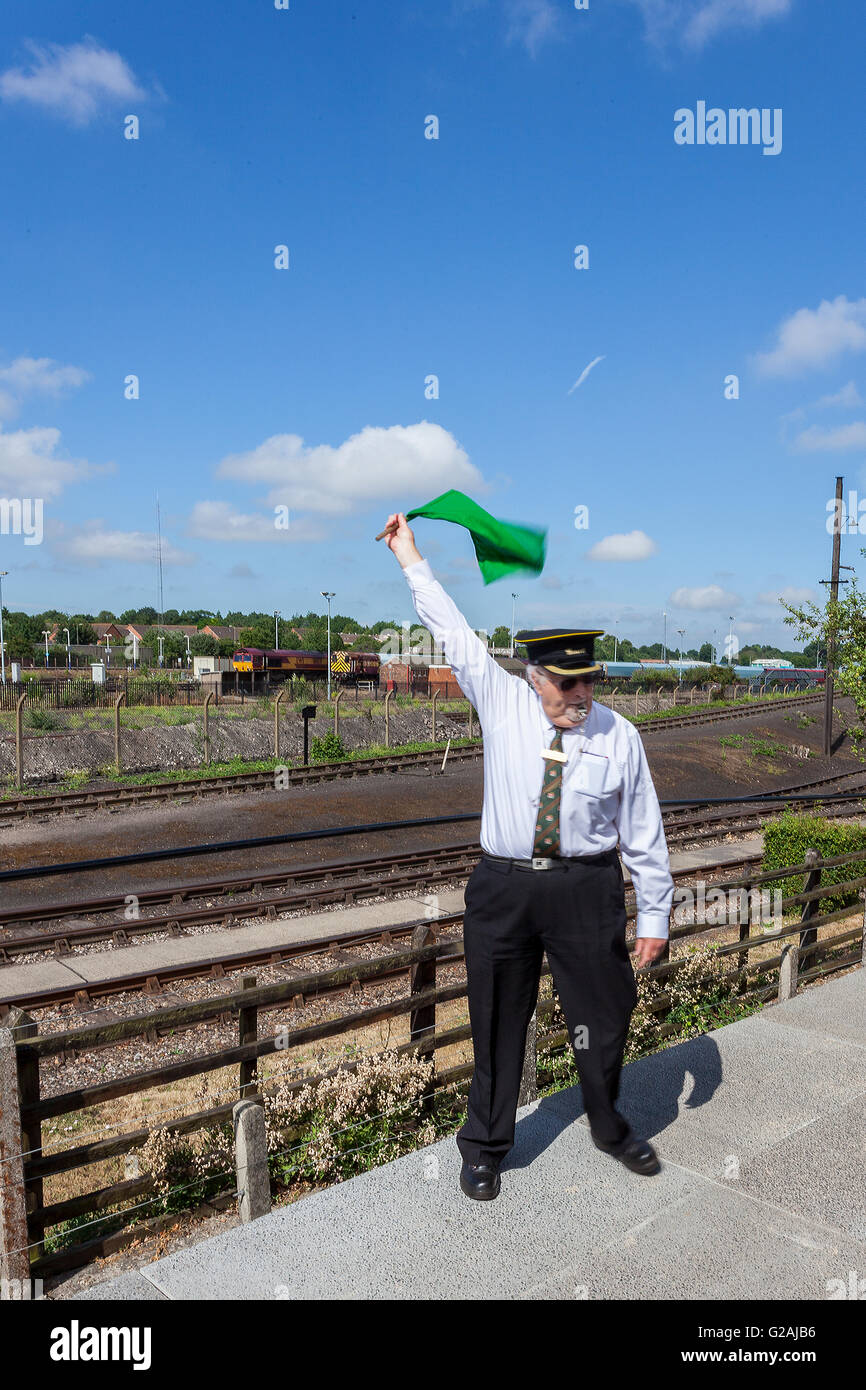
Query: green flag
pixel 500 546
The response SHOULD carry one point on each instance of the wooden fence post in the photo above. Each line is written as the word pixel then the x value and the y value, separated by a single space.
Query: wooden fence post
pixel 280 693
pixel 118 702
pixel 14 1239
pixel 207 699
pixel 29 1094
pixel 744 931
pixel 388 694
pixel 809 935
pixel 422 1020
pixel 19 741
pixel 529 1079
pixel 248 1032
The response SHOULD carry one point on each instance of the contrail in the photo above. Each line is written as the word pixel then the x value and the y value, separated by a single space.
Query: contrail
pixel 585 373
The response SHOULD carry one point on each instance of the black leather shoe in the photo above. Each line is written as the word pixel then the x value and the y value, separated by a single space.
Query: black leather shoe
pixel 637 1154
pixel 480 1181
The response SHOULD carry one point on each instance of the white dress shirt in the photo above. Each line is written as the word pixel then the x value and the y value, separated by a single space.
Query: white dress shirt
pixel 608 795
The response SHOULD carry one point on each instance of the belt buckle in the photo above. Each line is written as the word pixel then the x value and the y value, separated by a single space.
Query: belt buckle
pixel 541 863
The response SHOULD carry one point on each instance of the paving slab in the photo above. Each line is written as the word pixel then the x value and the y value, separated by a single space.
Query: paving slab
pixel 19 981
pixel 126 1288
pixel 713 1243
pixel 819 1169
pixel 838 1013
pixel 713 1102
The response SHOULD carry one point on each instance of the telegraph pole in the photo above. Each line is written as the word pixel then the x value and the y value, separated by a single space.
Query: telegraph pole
pixel 834 595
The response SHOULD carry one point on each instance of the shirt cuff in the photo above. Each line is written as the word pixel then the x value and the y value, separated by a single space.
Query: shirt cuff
pixel 419 573
pixel 652 924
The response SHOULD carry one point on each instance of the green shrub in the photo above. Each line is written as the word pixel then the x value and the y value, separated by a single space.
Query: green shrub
pixel 649 677
pixel 786 841
pixel 327 749
pixel 42 719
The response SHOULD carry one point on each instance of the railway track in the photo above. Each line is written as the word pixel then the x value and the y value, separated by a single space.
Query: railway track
pixel 157 979
pixel 108 798
pixel 113 798
pixel 756 706
pixel 269 893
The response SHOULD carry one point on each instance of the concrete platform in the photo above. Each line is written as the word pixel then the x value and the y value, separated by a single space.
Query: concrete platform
pixel 760 1129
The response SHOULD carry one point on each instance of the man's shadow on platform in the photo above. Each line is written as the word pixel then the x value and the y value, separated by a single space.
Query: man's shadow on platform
pixel 649 1098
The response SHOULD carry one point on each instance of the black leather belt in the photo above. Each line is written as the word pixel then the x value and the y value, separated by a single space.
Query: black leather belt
pixel 608 856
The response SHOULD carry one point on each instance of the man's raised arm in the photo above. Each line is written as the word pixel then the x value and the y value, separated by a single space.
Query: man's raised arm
pixel 477 674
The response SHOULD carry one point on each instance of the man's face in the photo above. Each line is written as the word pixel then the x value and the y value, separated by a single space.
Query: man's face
pixel 566 700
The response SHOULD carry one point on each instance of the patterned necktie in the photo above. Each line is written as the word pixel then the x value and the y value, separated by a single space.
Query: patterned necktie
pixel 546 841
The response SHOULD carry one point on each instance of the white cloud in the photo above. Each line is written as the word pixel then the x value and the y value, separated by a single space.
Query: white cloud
pixel 815 338
pixel 840 440
pixel 94 543
pixel 633 545
pixel 585 373
pixel 405 464
pixel 847 399
pixel 531 22
pixel 790 593
pixel 74 81
pixel 711 597
pixel 694 23
pixel 28 376
pixel 30 466
pixel 218 521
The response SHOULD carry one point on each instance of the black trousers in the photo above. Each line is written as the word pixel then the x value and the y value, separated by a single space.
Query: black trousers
pixel 513 916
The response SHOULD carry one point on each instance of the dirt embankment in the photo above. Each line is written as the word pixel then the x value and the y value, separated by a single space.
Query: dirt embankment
pixel 161 747
pixel 757 752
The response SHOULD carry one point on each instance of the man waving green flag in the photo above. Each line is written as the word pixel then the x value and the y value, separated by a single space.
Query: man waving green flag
pixel 501 547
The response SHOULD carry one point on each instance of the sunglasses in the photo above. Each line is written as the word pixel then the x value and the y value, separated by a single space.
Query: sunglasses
pixel 569 682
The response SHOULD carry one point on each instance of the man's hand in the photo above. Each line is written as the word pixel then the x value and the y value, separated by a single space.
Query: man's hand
pixel 402 541
pixel 649 948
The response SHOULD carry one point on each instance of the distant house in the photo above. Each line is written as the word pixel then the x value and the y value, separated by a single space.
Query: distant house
pixel 223 634
pixel 109 634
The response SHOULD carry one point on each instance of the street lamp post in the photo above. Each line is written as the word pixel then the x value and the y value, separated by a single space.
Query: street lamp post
pixel 665 642
pixel 682 633
pixel 188 651
pixel 45 634
pixel 615 638
pixel 2 644
pixel 160 640
pixel 514 598
pixel 731 642
pixel 277 628
pixel 68 652
pixel 325 594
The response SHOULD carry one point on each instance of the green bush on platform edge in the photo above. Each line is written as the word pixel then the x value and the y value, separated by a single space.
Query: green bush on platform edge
pixel 786 841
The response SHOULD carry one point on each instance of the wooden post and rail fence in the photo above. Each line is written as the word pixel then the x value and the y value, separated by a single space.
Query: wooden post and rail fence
pixel 25 1216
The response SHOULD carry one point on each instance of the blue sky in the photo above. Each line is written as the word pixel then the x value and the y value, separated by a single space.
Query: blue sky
pixel 410 257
